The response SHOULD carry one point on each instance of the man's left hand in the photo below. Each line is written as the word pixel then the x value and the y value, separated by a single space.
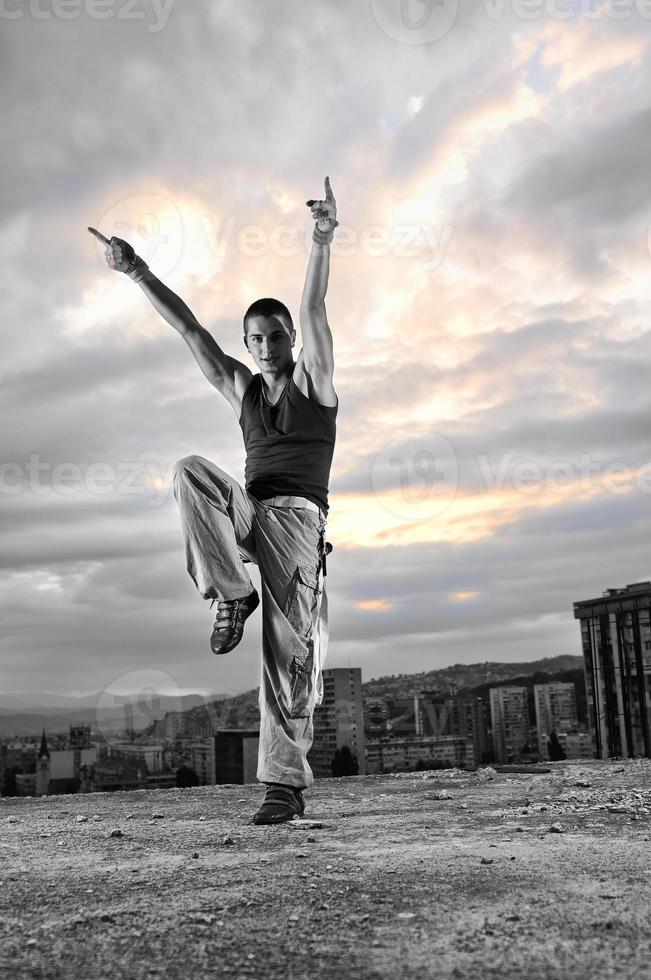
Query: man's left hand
pixel 325 212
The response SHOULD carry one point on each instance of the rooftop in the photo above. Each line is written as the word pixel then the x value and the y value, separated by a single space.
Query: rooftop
pixel 539 874
pixel 637 595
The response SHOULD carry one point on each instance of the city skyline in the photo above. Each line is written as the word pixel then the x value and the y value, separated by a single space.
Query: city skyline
pixel 489 298
pixel 353 734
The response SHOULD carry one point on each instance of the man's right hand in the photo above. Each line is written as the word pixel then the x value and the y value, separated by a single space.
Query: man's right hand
pixel 119 254
pixel 121 257
pixel 225 373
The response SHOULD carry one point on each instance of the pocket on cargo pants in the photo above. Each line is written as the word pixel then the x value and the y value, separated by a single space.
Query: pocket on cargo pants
pixel 301 610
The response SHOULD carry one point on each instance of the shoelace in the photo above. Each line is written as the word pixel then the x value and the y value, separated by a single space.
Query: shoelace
pixel 232 612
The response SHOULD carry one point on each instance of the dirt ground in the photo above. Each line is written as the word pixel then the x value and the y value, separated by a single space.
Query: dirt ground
pixel 439 874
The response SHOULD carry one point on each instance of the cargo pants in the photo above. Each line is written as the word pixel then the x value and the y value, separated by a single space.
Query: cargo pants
pixel 224 526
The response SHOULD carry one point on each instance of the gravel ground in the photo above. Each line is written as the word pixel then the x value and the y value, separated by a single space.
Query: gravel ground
pixel 439 874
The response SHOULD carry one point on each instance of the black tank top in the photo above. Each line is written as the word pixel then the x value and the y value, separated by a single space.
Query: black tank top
pixel 289 445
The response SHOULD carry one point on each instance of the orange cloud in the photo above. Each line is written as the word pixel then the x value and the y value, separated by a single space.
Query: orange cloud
pixel 383 520
pixel 373 604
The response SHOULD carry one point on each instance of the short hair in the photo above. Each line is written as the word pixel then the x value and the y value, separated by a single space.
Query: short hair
pixel 267 307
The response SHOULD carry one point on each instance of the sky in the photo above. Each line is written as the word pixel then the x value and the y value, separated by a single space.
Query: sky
pixel 489 298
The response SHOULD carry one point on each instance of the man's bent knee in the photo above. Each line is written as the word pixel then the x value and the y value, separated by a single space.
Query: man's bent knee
pixel 185 464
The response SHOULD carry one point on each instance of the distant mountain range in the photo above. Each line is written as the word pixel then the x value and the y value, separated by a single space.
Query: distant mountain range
pixel 461 677
pixel 44 701
pixel 26 714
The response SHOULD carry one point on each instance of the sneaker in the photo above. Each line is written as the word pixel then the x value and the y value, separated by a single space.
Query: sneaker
pixel 229 622
pixel 281 803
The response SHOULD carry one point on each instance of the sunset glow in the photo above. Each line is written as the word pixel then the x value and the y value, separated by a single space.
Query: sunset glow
pixel 489 300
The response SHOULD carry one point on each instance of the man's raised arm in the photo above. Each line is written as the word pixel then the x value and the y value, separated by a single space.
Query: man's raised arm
pixel 227 374
pixel 318 355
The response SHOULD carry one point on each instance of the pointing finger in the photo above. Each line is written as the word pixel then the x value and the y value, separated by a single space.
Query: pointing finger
pixel 99 236
pixel 328 190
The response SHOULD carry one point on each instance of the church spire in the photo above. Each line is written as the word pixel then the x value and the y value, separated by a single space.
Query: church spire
pixel 43 749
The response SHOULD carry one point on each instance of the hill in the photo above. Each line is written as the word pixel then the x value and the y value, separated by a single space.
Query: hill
pixel 467 677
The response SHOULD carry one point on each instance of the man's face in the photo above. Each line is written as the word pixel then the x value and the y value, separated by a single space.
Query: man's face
pixel 270 344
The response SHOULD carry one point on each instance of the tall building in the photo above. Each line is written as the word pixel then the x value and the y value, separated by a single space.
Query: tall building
pixel 577 744
pixel 509 721
pixel 458 716
pixel 170 726
pixel 339 720
pixel 616 642
pixel 403 715
pixel 202 760
pixel 555 705
pixel 402 754
pixel 236 755
pixel 150 756
pixel 80 737
pixel 376 714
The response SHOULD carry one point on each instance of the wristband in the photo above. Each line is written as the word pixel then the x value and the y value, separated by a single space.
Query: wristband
pixel 138 270
pixel 323 237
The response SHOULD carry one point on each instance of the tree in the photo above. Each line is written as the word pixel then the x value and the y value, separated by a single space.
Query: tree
pixel 185 776
pixel 9 785
pixel 344 763
pixel 555 749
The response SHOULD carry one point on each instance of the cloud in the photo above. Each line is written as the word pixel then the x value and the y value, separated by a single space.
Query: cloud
pixel 502 311
pixel 588 177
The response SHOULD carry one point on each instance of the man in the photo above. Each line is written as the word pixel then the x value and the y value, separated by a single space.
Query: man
pixel 287 413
